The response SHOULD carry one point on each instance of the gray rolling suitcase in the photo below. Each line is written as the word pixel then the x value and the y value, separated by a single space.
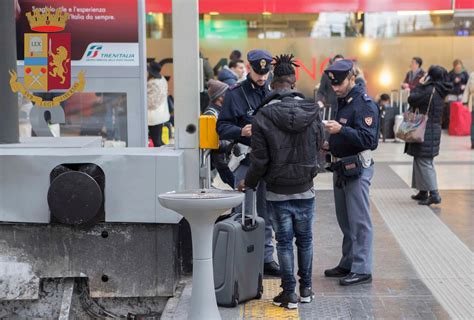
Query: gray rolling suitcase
pixel 238 258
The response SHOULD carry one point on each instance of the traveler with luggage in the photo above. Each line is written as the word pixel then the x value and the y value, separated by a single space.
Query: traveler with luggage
pixel 458 77
pixel 235 123
pixel 467 99
pixel 287 134
pixel 354 134
pixel 430 93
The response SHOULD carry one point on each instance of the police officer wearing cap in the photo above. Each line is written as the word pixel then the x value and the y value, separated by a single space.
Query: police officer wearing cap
pixel 235 123
pixel 353 136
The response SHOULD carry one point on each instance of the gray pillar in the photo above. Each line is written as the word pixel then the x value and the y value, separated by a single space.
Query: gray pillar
pixel 186 85
pixel 9 127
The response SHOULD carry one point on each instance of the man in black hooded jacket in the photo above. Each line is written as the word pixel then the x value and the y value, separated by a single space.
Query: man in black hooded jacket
pixel 287 134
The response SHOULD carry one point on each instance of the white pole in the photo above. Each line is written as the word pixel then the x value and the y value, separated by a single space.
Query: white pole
pixel 186 85
pixel 9 126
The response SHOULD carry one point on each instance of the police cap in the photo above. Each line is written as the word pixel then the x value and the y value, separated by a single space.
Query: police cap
pixel 338 71
pixel 260 61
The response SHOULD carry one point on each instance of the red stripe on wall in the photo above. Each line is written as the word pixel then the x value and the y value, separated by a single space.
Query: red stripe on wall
pixel 312 6
pixel 464 4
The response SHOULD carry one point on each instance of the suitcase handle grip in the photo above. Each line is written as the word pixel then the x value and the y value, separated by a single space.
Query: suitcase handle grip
pixel 254 211
pixel 245 227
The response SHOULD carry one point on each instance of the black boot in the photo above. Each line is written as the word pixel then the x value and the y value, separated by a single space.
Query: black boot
pixel 420 196
pixel 337 272
pixel 355 278
pixel 434 198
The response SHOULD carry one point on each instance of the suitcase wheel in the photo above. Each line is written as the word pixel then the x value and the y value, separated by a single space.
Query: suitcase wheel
pixel 235 296
pixel 260 287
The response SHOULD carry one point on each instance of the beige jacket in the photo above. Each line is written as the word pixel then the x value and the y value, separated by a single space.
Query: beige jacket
pixel 468 95
pixel 157 95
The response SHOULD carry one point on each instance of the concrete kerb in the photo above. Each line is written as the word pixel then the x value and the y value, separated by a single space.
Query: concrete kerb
pixel 176 307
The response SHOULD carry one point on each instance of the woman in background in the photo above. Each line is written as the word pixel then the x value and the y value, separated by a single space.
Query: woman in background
pixel 157 95
pixel 458 77
pixel 435 86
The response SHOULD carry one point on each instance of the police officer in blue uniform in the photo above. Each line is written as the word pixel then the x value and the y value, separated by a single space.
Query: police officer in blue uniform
pixel 353 136
pixel 235 123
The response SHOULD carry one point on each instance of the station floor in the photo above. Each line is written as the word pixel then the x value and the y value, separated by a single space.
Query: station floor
pixel 423 256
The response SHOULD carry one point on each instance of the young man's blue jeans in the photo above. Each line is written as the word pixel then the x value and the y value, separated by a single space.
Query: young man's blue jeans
pixel 293 219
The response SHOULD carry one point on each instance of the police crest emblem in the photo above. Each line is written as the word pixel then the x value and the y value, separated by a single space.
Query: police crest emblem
pixel 263 63
pixel 331 75
pixel 368 121
pixel 47 59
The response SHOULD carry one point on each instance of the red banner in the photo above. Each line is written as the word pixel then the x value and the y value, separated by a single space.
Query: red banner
pixel 464 5
pixel 312 6
pixel 59 61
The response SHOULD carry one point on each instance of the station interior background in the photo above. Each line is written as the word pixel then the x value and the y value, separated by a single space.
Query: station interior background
pixel 383 42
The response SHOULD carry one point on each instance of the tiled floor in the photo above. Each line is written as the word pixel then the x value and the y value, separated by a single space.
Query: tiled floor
pixel 452 149
pixel 396 291
pixel 399 289
pixel 457 212
pixel 450 176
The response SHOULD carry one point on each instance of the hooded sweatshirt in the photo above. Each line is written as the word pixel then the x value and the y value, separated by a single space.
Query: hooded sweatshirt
pixel 287 134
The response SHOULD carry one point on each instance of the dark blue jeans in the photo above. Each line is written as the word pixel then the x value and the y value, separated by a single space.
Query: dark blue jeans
pixel 293 219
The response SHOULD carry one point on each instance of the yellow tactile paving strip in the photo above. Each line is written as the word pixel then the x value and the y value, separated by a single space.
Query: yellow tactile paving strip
pixel 263 308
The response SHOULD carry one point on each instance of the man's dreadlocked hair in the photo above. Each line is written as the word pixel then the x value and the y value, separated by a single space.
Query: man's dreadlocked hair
pixel 284 69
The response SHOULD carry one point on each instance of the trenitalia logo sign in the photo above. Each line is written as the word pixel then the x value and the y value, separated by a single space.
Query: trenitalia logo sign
pixel 110 54
pixel 94 51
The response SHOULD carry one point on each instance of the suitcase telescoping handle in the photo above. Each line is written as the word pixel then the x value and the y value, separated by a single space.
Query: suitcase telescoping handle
pixel 395 98
pixel 254 208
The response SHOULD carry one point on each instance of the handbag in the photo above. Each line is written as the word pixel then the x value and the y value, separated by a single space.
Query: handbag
pixel 412 129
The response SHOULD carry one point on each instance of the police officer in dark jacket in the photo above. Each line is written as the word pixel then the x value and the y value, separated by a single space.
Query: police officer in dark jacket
pixel 354 134
pixel 235 123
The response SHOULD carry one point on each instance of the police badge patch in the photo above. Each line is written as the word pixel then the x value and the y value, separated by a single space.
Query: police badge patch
pixel 263 63
pixel 368 121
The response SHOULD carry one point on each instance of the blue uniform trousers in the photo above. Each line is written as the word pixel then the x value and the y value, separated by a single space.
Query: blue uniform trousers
pixel 353 216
